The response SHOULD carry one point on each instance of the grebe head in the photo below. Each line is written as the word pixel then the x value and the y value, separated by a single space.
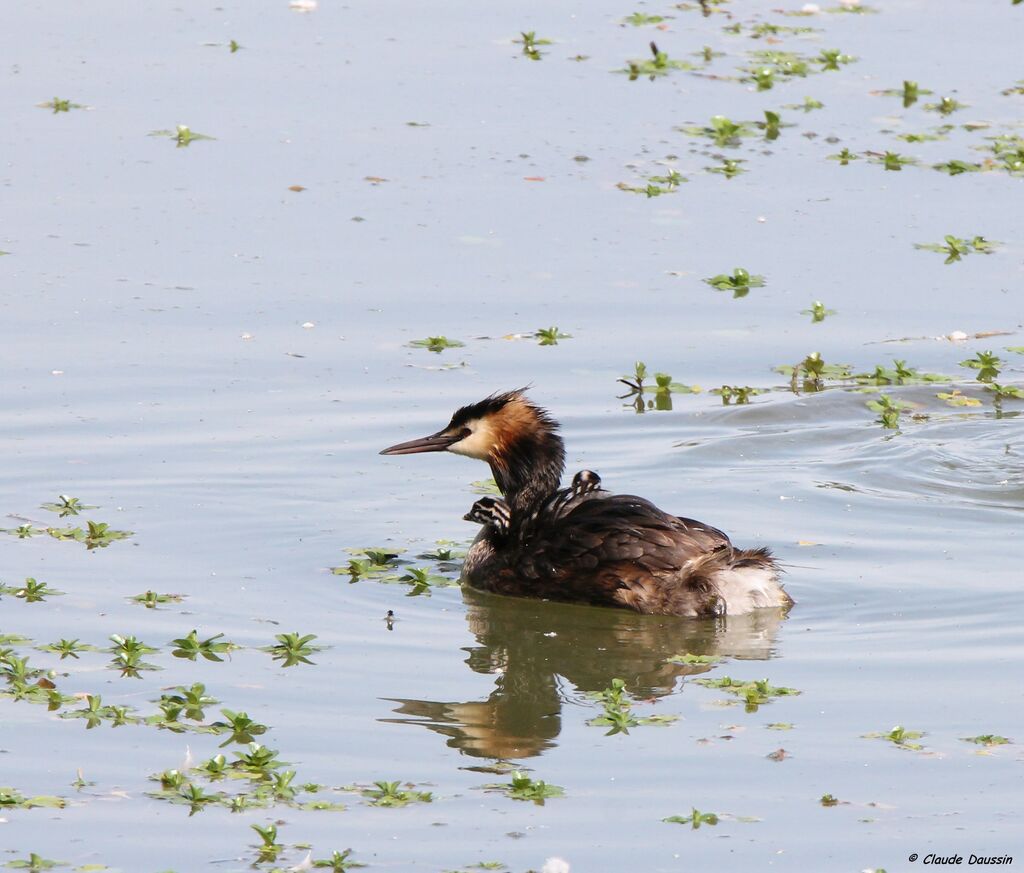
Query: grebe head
pixel 517 439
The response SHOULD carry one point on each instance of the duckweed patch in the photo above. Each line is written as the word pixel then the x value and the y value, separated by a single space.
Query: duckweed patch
pixel 436 344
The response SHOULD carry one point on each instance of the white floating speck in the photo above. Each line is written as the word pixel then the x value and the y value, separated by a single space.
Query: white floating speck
pixel 551 634
pixel 56 372
pixel 247 336
pixel 305 864
pixel 555 865
pixel 761 219
pixel 302 5
pixel 308 324
pixel 810 8
pixel 957 336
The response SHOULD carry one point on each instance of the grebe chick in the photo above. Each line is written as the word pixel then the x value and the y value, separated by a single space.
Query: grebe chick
pixel 493 511
pixel 496 512
pixel 585 544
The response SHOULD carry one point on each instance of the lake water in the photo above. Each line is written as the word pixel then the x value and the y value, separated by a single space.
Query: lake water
pixel 214 360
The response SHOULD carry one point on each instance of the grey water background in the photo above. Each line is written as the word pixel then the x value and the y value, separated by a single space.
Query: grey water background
pixel 154 361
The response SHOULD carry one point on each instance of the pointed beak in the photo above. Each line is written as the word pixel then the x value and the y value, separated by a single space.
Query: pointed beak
pixel 437 442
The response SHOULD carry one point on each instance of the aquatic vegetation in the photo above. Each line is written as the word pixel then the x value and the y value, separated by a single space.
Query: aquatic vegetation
pixel 234 46
pixel 844 157
pixel 191 647
pixel 58 104
pixel 531 44
pixel 239 726
pixel 151 600
pixel 1006 391
pixel 1008 150
pixel 269 848
pixel 436 344
pixel 32 591
pixel 188 702
pixel 898 736
pixel 828 800
pixel 659 64
pixel 182 135
pixel 338 862
pixel 695 819
pixel 688 659
pixel 737 395
pixel 67 648
pixel 955 248
pixel 722 131
pixel 945 106
pixel 729 167
pixel 763 77
pixel 899 374
pixel 892 161
pixel 957 167
pixel 814 371
pixel 817 312
pixel 764 28
pixel 830 59
pixel 11 798
pixel 980 740
pixel 784 64
pixel 65 506
pixel 640 19
pixel 549 336
pixel 391 794
pixel 889 410
pixel 809 105
pixel 956 398
pixel 772 125
pixel 618 716
pixel 740 282
pixel 662 389
pixel 988 364
pixel 522 787
pixel 780 726
pixel 421 581
pixel 34 863
pixel 656 185
pixel 292 649
pixel 754 693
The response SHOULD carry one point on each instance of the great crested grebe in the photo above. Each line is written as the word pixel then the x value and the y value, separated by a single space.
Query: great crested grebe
pixel 584 544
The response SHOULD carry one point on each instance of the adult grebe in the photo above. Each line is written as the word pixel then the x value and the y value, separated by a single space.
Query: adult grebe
pixel 582 543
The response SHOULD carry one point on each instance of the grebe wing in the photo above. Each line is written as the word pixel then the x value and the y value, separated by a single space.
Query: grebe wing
pixel 613 529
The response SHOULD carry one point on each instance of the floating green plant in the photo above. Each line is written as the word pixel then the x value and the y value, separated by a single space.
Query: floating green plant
pixel 818 312
pixel 813 370
pixel 945 106
pixel 420 581
pixel 522 787
pixel 722 131
pixel 32 591
pixel 659 64
pixel 957 167
pixel 955 248
pixel 436 343
pixel 898 374
pixel 1006 391
pixel 618 716
pixel 59 104
pixel 809 105
pixel 892 161
pixel 65 506
pixel 239 727
pixel 831 59
pixel 779 726
pixel 339 862
pixel 188 702
pixel 191 647
pixel 763 29
pixel 730 167
pixel 899 736
pixel 151 600
pixel 784 64
pixel 34 863
pixel 292 649
pixel 268 849
pixel 182 135
pixel 988 365
pixel 531 44
pixel 695 819
pixel 828 800
pixel 956 398
pixel 844 157
pixel 889 410
pixel 983 740
pixel 740 282
pixel 391 794
pixel 67 648
pixel 641 19
pixel 753 693
pixel 11 798
pixel 737 395
pixel 662 389
pixel 688 659
pixel 549 336
pixel 656 185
